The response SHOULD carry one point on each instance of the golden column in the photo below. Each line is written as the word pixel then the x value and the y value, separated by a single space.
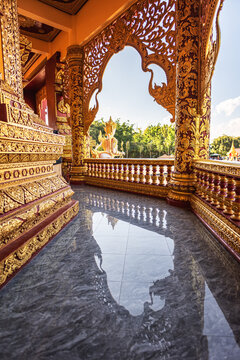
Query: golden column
pixel 192 130
pixel 75 57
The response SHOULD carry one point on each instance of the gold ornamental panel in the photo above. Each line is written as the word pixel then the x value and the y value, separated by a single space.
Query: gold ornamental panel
pixel 8 146
pixel 24 220
pixel 19 171
pixel 17 132
pixel 222 167
pixel 149 26
pixel 14 197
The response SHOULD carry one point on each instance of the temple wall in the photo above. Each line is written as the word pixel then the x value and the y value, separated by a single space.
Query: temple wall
pixel 35 202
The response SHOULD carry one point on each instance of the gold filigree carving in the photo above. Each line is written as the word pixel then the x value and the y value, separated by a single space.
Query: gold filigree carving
pixel 210 47
pixel 74 61
pixel 25 49
pixel 25 220
pixel 19 171
pixel 224 168
pixel 218 223
pixel 10 46
pixel 148 26
pixel 14 197
pixel 23 158
pixel 18 132
pixel 187 130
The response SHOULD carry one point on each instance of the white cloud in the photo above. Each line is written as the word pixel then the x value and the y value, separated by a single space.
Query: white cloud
pixel 228 106
pixel 230 128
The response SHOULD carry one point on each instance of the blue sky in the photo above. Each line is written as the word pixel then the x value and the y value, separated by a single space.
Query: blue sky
pixel 125 86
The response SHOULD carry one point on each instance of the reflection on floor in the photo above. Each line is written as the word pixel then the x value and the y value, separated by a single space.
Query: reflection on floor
pixel 130 278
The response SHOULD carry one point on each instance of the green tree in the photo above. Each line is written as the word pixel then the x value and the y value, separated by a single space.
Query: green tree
pixel 95 128
pixel 153 141
pixel 150 146
pixel 222 144
pixel 127 147
pixel 140 147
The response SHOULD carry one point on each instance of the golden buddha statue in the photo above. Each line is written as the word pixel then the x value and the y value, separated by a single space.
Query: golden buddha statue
pixel 109 143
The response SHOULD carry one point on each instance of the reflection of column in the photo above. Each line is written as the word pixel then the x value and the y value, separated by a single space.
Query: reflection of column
pixel 192 128
pixel 75 57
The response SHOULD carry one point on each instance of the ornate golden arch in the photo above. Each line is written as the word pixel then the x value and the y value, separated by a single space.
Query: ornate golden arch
pixel 149 27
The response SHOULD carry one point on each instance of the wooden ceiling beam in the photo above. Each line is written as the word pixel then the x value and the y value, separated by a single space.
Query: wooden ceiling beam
pixel 39 46
pixel 45 14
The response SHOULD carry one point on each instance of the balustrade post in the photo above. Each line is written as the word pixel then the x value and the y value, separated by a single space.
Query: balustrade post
pixel 107 171
pixel 202 183
pixel 154 176
pixel 198 178
pixel 206 186
pixel 211 187
pixel 161 175
pixel 223 192
pixel 116 172
pixel 97 169
pixel 141 174
pixel 148 177
pixel 125 172
pixel 169 171
pixel 236 202
pixel 135 176
pixel 93 170
pixel 217 190
pixel 100 170
pixel 103 170
pixel 88 169
pixel 131 173
pixel 229 196
pixel 112 171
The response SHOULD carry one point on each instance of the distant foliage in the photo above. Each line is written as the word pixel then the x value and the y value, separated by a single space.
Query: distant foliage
pixel 222 144
pixel 150 143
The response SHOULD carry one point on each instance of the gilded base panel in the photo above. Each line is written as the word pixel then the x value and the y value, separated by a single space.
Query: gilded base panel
pixel 181 187
pixel 220 226
pixel 15 196
pixel 15 255
pixel 77 174
pixel 146 189
pixel 28 216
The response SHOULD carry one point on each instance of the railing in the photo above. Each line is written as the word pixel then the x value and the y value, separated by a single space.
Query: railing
pixel 216 200
pixel 218 184
pixel 131 174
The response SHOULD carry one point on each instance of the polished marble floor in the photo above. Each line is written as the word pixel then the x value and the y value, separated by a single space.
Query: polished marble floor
pixel 131 278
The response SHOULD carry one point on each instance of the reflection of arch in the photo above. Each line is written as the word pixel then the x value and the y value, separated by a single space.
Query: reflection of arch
pixel 149 27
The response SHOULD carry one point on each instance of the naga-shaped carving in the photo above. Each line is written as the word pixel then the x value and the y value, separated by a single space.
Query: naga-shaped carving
pixel 149 27
pixel 210 47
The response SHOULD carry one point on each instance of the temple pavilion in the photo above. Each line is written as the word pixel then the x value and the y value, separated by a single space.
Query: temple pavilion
pixel 113 258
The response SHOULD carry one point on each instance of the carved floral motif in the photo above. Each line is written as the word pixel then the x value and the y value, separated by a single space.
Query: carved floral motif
pixel 28 134
pixel 10 41
pixel 75 57
pixel 148 26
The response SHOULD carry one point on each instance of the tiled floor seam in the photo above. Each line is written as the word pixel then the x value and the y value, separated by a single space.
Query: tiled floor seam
pixel 124 264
